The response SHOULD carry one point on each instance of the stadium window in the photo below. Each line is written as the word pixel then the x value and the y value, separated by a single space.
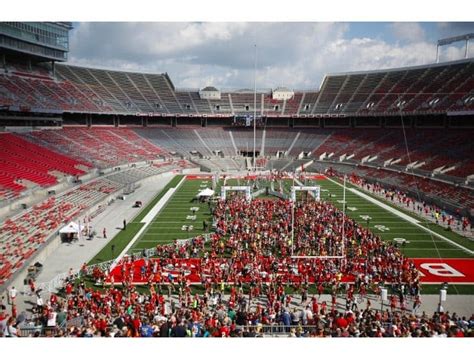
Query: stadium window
pixel 276 108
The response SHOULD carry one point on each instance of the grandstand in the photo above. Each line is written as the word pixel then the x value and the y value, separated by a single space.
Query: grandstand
pixel 76 141
pixel 433 89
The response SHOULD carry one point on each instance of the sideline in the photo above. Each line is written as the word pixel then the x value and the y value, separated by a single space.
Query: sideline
pixel 147 220
pixel 403 216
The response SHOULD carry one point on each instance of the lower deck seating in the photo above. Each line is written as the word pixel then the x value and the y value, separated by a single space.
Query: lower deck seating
pixel 24 234
pixel 22 160
pixel 102 146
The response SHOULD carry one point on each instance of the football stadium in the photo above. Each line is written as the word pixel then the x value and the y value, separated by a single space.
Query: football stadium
pixel 132 207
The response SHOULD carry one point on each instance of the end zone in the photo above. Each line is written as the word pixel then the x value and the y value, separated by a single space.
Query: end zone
pixel 451 270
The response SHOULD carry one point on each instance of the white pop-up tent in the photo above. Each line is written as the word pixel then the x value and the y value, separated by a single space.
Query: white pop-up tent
pixel 206 193
pixel 72 227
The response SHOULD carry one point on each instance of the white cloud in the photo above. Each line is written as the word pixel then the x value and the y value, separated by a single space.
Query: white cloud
pixel 296 55
pixel 408 31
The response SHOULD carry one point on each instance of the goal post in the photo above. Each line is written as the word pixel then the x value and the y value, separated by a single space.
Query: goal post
pixel 315 192
pixel 245 189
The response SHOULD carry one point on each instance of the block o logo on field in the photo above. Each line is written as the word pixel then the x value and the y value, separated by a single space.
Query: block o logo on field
pixel 441 270
pixel 451 270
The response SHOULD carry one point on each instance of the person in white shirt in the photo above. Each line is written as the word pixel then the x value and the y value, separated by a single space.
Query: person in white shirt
pixel 52 319
pixel 12 294
pixel 39 302
pixel 10 330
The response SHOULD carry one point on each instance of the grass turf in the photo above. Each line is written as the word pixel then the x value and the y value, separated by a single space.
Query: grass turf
pixel 122 238
pixel 166 226
pixel 421 244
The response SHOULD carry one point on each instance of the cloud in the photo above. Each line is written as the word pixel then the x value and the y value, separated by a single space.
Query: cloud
pixel 296 55
pixel 408 31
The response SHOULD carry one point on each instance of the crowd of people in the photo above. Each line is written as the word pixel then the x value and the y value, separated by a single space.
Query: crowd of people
pixel 430 210
pixel 129 311
pixel 255 244
pixel 251 278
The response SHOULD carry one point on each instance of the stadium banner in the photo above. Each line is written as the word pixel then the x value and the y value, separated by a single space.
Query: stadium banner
pixel 434 270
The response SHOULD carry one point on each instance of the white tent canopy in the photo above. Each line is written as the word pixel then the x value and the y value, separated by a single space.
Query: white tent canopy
pixel 206 193
pixel 72 227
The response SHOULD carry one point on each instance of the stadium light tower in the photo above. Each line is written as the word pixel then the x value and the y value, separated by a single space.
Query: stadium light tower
pixel 343 215
pixel 450 40
pixel 255 112
pixel 293 220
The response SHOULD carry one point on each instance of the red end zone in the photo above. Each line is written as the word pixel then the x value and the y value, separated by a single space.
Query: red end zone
pixel 316 177
pixel 436 271
pixel 198 177
pixel 433 271
pixel 252 177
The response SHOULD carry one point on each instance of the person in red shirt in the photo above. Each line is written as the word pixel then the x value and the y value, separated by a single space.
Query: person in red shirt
pixel 224 331
pixel 315 305
pixel 320 289
pixel 69 288
pixel 393 302
pixel 136 324
pixel 333 302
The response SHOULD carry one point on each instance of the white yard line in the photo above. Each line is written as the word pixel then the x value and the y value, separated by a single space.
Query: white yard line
pixel 424 249
pixel 147 220
pixel 403 216
pixel 384 206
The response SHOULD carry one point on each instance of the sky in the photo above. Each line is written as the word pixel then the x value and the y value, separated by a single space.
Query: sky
pixel 295 55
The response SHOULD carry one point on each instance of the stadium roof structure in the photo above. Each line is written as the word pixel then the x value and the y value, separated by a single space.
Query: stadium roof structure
pixel 209 88
pixel 405 68
pixel 281 88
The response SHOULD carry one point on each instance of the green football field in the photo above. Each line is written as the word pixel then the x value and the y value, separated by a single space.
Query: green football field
pixel 167 225
pixel 420 242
